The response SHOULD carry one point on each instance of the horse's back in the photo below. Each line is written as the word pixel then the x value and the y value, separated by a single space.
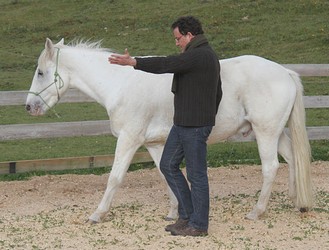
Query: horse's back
pixel 254 77
pixel 253 67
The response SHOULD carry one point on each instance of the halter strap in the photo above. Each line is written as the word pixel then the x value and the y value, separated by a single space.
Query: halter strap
pixel 57 79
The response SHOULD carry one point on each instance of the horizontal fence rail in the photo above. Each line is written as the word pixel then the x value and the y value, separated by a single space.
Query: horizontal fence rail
pixel 102 127
pixel 83 162
pixel 9 98
pixel 53 130
pixel 309 69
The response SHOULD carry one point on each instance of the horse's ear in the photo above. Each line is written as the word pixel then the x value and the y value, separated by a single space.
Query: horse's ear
pixel 49 48
pixel 61 42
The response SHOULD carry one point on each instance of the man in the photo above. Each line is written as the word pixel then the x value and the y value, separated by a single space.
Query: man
pixel 197 89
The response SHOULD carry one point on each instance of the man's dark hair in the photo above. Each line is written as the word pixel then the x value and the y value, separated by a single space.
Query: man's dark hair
pixel 187 24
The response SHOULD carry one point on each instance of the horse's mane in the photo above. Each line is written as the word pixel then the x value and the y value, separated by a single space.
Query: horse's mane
pixel 87 44
pixel 77 44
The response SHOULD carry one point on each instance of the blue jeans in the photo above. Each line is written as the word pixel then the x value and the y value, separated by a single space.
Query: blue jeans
pixel 189 143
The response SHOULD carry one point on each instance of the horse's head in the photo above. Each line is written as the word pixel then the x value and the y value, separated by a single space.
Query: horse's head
pixel 49 81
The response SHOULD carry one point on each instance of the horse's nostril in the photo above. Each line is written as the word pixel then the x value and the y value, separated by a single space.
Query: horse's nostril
pixel 28 107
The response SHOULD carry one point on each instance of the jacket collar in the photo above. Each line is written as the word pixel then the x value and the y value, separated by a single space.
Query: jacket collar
pixel 197 41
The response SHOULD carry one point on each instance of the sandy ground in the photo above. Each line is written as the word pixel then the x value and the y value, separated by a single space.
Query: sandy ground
pixel 49 212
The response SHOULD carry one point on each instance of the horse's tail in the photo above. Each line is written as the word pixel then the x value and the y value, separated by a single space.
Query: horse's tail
pixel 301 149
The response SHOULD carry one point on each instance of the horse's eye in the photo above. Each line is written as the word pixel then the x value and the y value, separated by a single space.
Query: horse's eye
pixel 40 73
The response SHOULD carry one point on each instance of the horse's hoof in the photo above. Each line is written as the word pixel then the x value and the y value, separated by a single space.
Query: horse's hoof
pixel 248 217
pixel 94 218
pixel 251 216
pixel 168 218
pixel 303 209
pixel 91 222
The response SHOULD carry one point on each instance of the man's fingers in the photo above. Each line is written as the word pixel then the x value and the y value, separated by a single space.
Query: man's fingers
pixel 126 53
pixel 124 59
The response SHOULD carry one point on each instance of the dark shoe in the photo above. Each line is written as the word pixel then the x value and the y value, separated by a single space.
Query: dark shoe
pixel 180 223
pixel 189 231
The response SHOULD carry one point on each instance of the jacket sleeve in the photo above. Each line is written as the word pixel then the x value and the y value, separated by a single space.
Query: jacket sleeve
pixel 183 62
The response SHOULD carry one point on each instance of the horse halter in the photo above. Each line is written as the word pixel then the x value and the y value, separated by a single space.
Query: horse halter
pixel 57 79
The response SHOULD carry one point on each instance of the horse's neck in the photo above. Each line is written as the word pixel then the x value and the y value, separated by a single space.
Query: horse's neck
pixel 91 73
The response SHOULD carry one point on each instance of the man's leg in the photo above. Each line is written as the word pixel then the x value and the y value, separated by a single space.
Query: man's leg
pixel 195 149
pixel 171 159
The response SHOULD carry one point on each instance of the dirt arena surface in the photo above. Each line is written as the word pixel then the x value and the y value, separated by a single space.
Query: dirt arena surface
pixel 49 212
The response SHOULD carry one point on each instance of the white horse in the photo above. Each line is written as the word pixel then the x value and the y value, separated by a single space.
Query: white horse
pixel 259 95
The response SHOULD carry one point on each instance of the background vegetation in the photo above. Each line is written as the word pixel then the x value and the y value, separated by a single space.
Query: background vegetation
pixel 295 31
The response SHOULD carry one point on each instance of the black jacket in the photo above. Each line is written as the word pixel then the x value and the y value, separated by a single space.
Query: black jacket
pixel 196 83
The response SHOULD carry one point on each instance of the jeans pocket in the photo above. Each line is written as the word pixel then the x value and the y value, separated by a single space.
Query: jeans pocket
pixel 206 131
pixel 203 132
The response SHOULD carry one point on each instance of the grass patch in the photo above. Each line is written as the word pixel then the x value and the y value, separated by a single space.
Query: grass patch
pixel 68 112
pixel 56 147
pixel 285 31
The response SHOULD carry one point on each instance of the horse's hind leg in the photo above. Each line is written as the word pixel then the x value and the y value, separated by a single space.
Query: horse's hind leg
pixel 267 147
pixel 285 150
pixel 125 149
pixel 156 152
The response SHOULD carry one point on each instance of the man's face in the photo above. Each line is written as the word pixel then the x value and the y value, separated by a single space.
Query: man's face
pixel 182 40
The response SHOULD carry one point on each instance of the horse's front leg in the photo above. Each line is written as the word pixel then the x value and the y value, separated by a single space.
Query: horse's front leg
pixel 125 149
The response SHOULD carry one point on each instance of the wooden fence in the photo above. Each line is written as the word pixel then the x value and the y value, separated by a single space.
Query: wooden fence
pixel 90 128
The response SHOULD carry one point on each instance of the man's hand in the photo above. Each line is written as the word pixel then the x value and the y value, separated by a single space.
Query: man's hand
pixel 124 59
